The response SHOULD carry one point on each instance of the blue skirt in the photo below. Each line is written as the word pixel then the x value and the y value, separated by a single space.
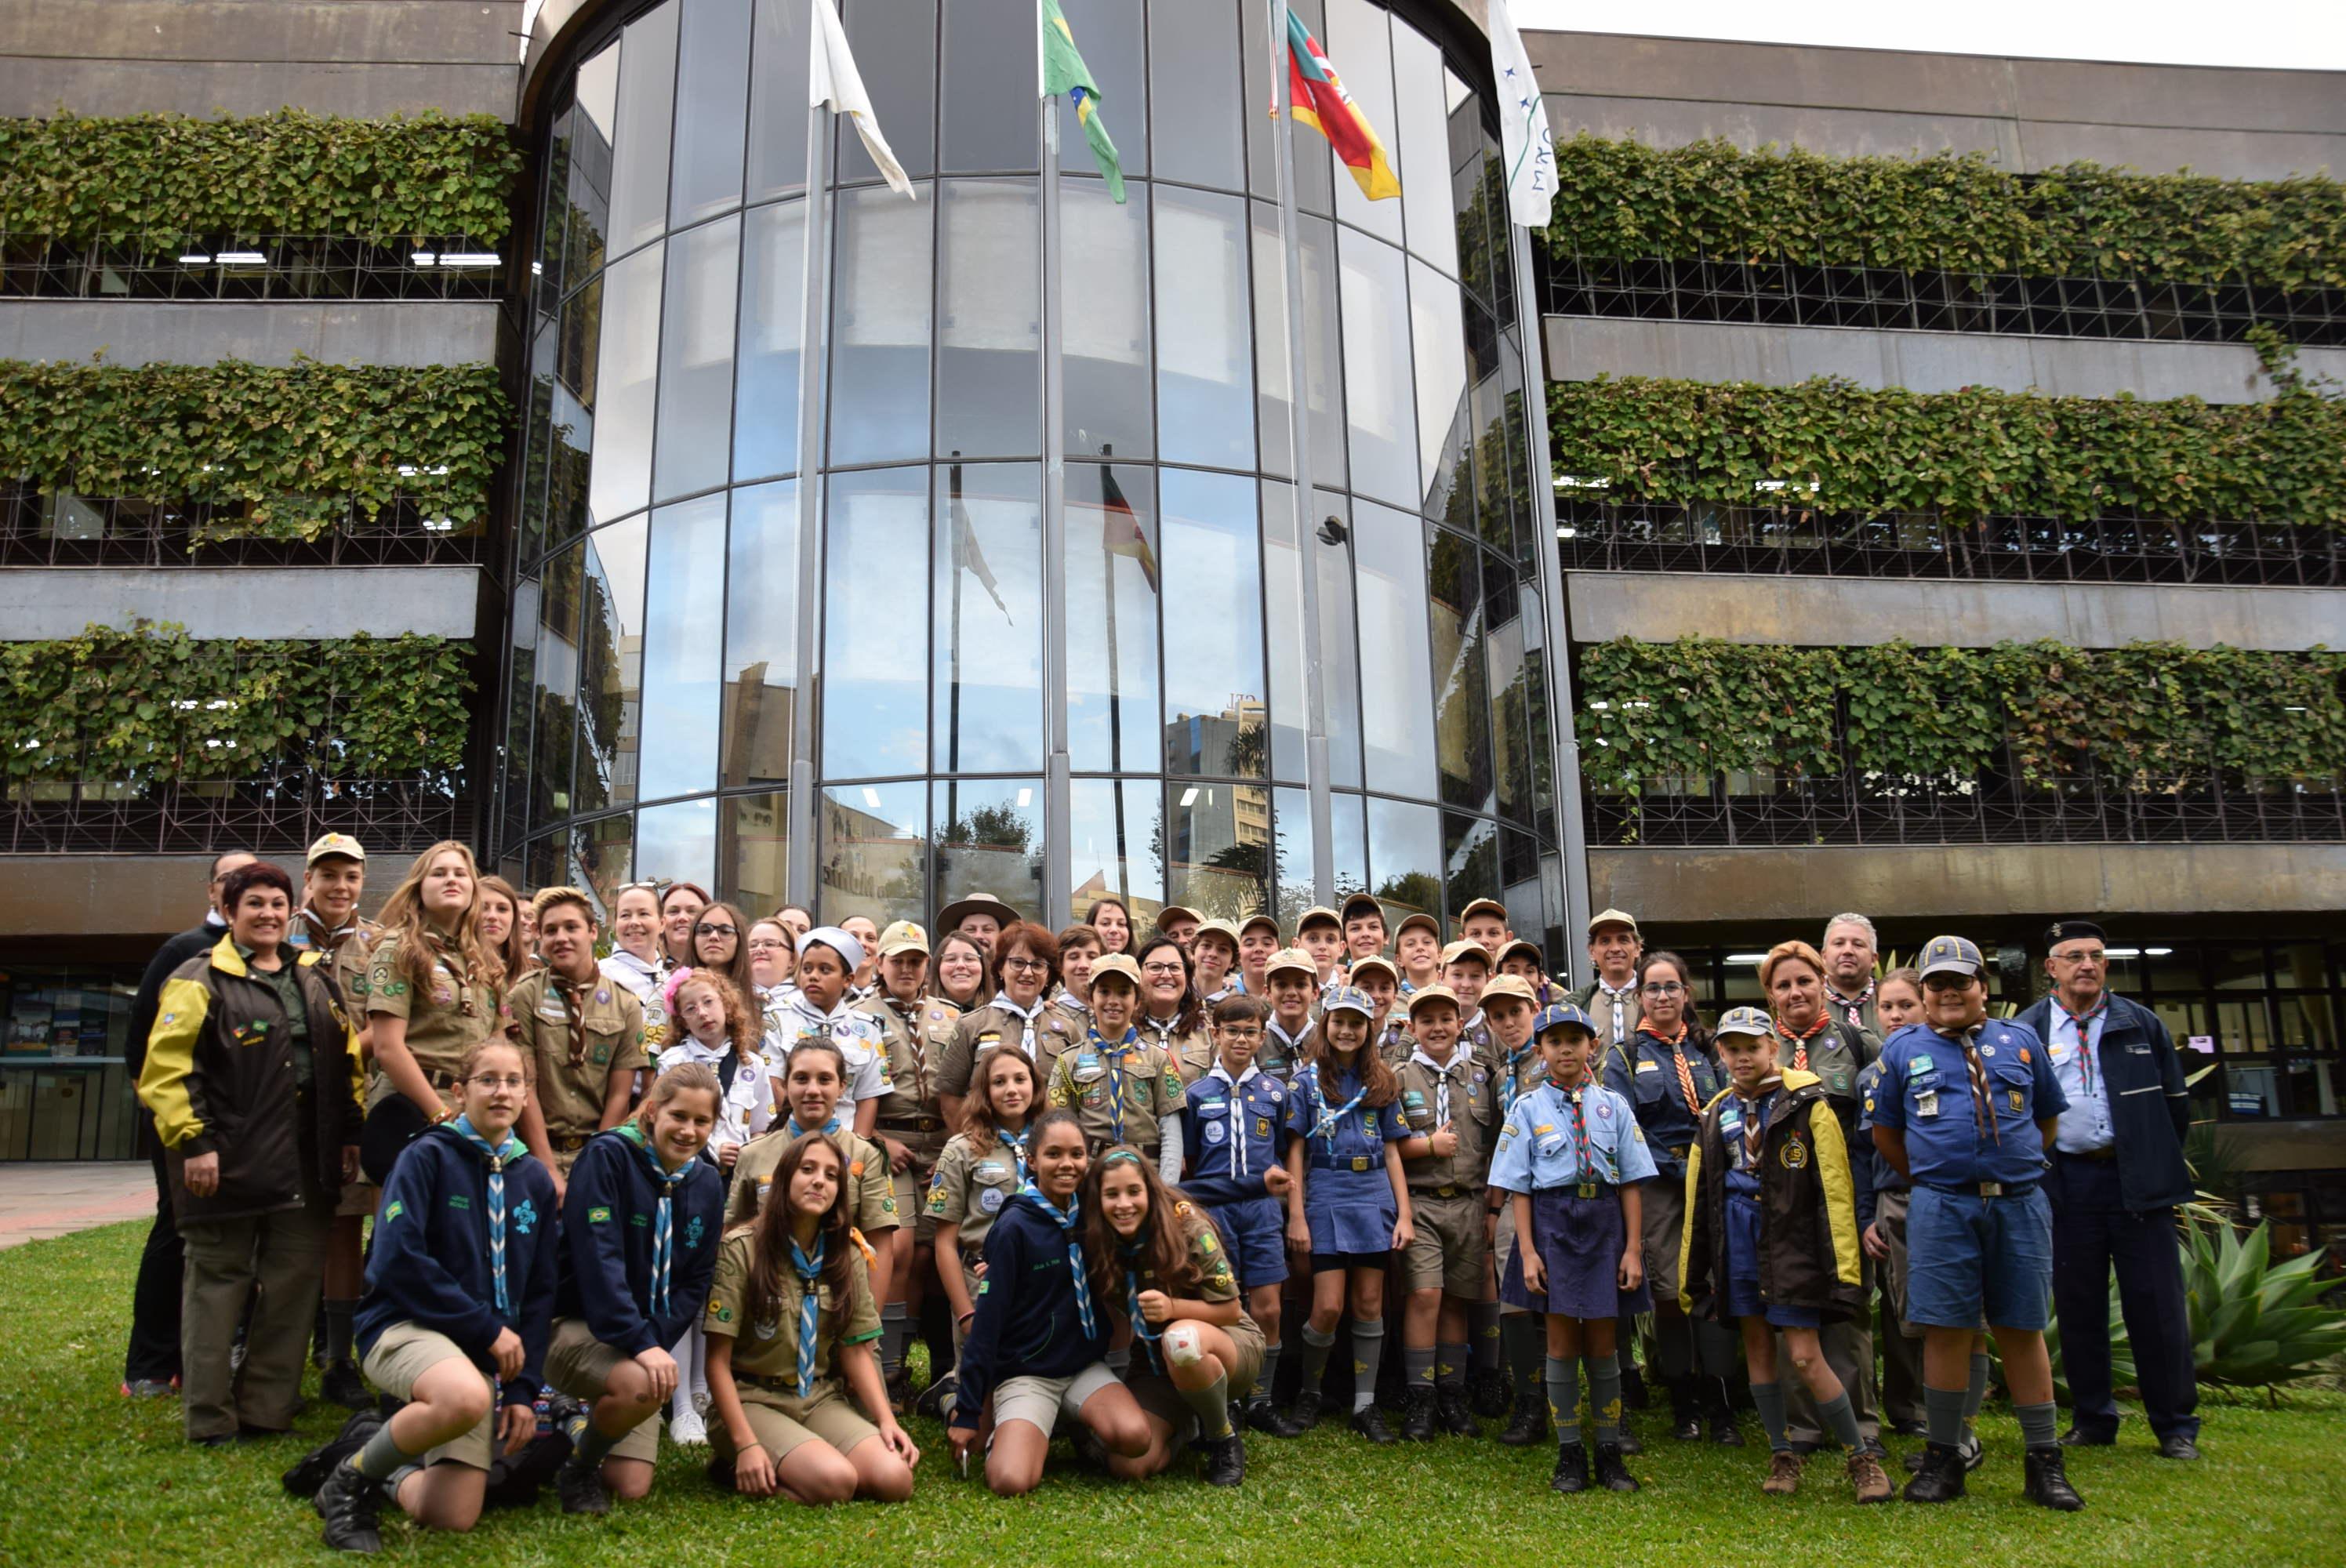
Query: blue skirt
pixel 1580 1241
pixel 1743 1298
pixel 1348 1211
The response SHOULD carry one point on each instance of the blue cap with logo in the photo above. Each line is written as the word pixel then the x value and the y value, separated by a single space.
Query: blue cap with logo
pixel 1349 998
pixel 1743 1021
pixel 1558 1015
pixel 1949 956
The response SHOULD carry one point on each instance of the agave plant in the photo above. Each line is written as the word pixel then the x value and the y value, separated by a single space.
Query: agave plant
pixel 2254 1323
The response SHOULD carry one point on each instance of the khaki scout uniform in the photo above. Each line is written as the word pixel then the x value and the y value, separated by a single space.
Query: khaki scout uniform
pixel 1191 1051
pixel 967 1196
pixel 916 1037
pixel 871 1195
pixel 982 1028
pixel 581 1034
pixel 1445 1193
pixel 456 1010
pixel 765 1337
pixel 1216 1283
pixel 1146 1088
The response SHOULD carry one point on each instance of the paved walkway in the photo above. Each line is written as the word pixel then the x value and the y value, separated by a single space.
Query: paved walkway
pixel 42 1199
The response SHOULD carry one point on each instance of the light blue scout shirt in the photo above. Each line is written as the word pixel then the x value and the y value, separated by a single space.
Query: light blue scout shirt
pixel 2084 1127
pixel 1926 1089
pixel 1538 1146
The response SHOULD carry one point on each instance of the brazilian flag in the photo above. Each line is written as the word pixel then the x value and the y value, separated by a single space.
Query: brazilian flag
pixel 1063 71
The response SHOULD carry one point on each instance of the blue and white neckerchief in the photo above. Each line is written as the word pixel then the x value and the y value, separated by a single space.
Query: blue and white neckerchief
pixel 1026 1017
pixel 1015 1145
pixel 809 1273
pixel 1113 1055
pixel 1511 1084
pixel 664 1217
pixel 500 1155
pixel 1141 1330
pixel 1066 1219
pixel 791 1130
pixel 1329 1121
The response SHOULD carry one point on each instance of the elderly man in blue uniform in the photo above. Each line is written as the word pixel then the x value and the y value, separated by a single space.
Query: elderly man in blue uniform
pixel 2118 1174
pixel 1964 1108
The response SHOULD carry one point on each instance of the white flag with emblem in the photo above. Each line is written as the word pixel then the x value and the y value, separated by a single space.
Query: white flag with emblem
pixel 1523 138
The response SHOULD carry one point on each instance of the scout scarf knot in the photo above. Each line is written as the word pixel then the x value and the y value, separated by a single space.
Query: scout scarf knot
pixel 791 1130
pixel 500 1155
pixel 1983 1104
pixel 1619 998
pixel 1013 1144
pixel 810 1272
pixel 1026 1017
pixel 1852 1008
pixel 1677 1043
pixel 663 1218
pixel 1798 1038
pixel 1065 1219
pixel 2084 1024
pixel 1325 1124
pixel 1113 1055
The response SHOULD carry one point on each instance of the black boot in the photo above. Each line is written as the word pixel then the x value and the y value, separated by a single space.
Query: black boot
pixel 1529 1428
pixel 1450 1411
pixel 348 1502
pixel 1633 1384
pixel 1487 1392
pixel 1611 1474
pixel 2048 1481
pixel 1370 1422
pixel 1304 1413
pixel 1266 1416
pixel 1685 1410
pixel 1721 1415
pixel 1417 1420
pixel 580 1486
pixel 341 1385
pixel 1630 1444
pixel 1225 1460
pixel 1571 1468
pixel 1941 1478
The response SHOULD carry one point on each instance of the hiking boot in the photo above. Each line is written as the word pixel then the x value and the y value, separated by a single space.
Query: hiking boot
pixel 1417 1422
pixel 1865 1474
pixel 1571 1473
pixel 2048 1481
pixel 341 1385
pixel 581 1489
pixel 1450 1412
pixel 1225 1460
pixel 936 1401
pixel 1529 1428
pixel 1611 1474
pixel 1783 1473
pixel 1973 1454
pixel 348 1502
pixel 1305 1412
pixel 1370 1422
pixel 1487 1392
pixel 1940 1477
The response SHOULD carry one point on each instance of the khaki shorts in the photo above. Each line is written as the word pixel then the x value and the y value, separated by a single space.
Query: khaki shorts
pixel 1662 1209
pixel 1158 1397
pixel 1447 1247
pixel 1040 1402
pixel 579 1365
pixel 405 1353
pixel 783 1422
pixel 910 1187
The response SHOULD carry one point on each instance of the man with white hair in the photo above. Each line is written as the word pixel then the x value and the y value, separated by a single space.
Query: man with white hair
pixel 1850 949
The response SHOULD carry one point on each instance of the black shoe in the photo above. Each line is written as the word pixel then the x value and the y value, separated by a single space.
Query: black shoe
pixel 720 1473
pixel 1628 1443
pixel 1225 1460
pixel 1571 1468
pixel 1611 1474
pixel 580 1487
pixel 348 1502
pixel 1723 1429
pixel 2177 1446
pixel 1633 1386
pixel 1487 1393
pixel 936 1401
pixel 1450 1411
pixel 1687 1428
pixel 1370 1422
pixel 2048 1481
pixel 310 1473
pixel 1265 1417
pixel 1973 1454
pixel 1910 1427
pixel 1872 1447
pixel 341 1385
pixel 2078 1437
pixel 1685 1410
pixel 1939 1478
pixel 1417 1423
pixel 1529 1428
pixel 1305 1412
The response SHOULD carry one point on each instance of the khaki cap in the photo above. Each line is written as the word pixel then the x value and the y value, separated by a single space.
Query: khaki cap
pixel 903 936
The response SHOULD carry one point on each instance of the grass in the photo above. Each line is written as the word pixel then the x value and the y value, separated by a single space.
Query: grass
pixel 88 1478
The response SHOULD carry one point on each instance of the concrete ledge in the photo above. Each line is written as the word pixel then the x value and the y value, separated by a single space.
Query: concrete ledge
pixel 1581 348
pixel 1803 886
pixel 405 332
pixel 41 602
pixel 32 89
pixel 1657 606
pixel 451 32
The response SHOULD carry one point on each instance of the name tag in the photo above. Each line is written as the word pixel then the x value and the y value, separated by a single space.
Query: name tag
pixel 1650 1066
pixel 1926 1103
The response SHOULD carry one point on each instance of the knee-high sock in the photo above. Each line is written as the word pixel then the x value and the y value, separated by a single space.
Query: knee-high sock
pixel 1562 1376
pixel 1604 1396
pixel 1483 1331
pixel 1368 1351
pixel 1212 1404
pixel 1769 1398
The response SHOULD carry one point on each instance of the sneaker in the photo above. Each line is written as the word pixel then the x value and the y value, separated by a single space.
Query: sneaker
pixel 581 1489
pixel 936 1401
pixel 1571 1473
pixel 1939 1478
pixel 148 1389
pixel 1450 1411
pixel 1783 1473
pixel 1417 1424
pixel 689 1429
pixel 348 1502
pixel 2048 1481
pixel 1866 1475
pixel 1487 1393
pixel 1225 1460
pixel 1611 1474
pixel 341 1385
pixel 1529 1428
pixel 1370 1422
pixel 1973 1454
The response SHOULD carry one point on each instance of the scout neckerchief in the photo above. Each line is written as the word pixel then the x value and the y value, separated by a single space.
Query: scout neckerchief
pixel 1236 1117
pixel 810 1272
pixel 908 1013
pixel 1141 1330
pixel 1511 1087
pixel 1619 998
pixel 1026 1017
pixel 1588 1171
pixel 1440 1071
pixel 790 1128
pixel 1852 1007
pixel 1983 1107
pixel 1014 1146
pixel 1066 1219
pixel 330 937
pixel 573 1012
pixel 1678 1058
pixel 663 1219
pixel 1162 1028
pixel 1329 1121
pixel 1799 1039
pixel 1755 1122
pixel 448 955
pixel 500 1155
pixel 1114 1057
pixel 2084 1024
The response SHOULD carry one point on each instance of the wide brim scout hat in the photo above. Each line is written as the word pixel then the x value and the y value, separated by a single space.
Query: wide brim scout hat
pixel 903 936
pixel 1744 1021
pixel 1293 958
pixel 1425 994
pixel 949 918
pixel 1507 985
pixel 1481 906
pixel 1349 998
pixel 1520 948
pixel 1221 927
pixel 335 844
pixel 1360 903
pixel 1381 964
pixel 1949 956
pixel 1604 918
pixel 1259 918
pixel 1318 914
pixel 1118 965
pixel 1464 949
pixel 1562 1015
pixel 1172 913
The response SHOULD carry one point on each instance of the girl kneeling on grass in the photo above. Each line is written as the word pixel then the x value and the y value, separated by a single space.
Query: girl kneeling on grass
pixel 1156 1258
pixel 639 1235
pixel 791 1329
pixel 458 1308
pixel 1038 1346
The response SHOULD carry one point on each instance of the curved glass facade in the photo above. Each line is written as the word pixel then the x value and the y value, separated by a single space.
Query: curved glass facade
pixel 653 689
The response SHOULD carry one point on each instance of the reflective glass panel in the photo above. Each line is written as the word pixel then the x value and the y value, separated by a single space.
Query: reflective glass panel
pixel 678 842
pixel 988 86
pixel 554 735
pixel 1112 690
pixel 872 841
pixel 1495 464
pixel 1358 40
pixel 1396 663
pixel 1349 861
pixel 539 432
pixel 1193 66
pixel 773 312
pixel 756 851
pixel 895 46
pixel 639 146
pixel 761 634
pixel 1114 827
pixel 1510 723
pixel 603 856
pixel 1322 379
pixel 1378 399
pixel 987 685
pixel 875 689
pixel 521 708
pixel 1109 32
pixel 572 420
pixel 1205 393
pixel 989 839
pixel 778 97
pixel 545 290
pixel 1103 266
pixel 1340 664
pixel 1405 858
pixel 626 378
pixel 1462 712
pixel 684 617
pixel 1423 108
pixel 1214 686
pixel 696 383
pixel 880 341
pixel 1262 55
pixel 990 319
pixel 611 654
pixel 594 120
pixel 713 84
pixel 1443 428
pixel 1218 849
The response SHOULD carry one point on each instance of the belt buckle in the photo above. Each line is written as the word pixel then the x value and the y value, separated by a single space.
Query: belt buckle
pixel 1586 1189
pixel 1359 1162
pixel 1991 1189
pixel 1450 1191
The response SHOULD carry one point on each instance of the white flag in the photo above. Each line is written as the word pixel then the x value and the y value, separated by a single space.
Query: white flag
pixel 834 83
pixel 1523 138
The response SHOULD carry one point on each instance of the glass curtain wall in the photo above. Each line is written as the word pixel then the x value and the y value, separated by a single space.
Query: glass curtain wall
pixel 653 685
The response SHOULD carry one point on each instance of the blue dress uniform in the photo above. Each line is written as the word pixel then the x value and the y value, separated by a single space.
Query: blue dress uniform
pixel 1348 1198
pixel 1979 1229
pixel 1572 1151
pixel 1240 1132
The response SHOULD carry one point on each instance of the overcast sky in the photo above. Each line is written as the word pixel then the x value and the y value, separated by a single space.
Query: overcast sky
pixel 2303 34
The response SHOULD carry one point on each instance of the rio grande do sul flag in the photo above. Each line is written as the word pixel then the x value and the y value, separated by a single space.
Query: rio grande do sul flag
pixel 1316 98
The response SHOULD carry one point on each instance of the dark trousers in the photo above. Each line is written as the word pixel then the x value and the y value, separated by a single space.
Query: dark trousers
pixel 154 1352
pixel 2093 1233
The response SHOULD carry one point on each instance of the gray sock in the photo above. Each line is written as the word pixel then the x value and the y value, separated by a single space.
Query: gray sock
pixel 1563 1396
pixel 380 1456
pixel 1482 1330
pixel 1525 1336
pixel 591 1447
pixel 1942 1411
pixel 1417 1366
pixel 1269 1376
pixel 1450 1365
pixel 2036 1424
pixel 1316 1346
pixel 892 1328
pixel 1842 1421
pixel 1605 1397
pixel 1976 1394
pixel 1368 1351
pixel 1769 1398
pixel 1212 1404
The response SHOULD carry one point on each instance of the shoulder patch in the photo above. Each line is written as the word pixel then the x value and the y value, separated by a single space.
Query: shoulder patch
pixel 598 1216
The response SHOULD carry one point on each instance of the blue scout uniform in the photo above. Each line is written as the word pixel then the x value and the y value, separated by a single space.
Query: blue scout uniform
pixel 1668 1083
pixel 1348 1198
pixel 1742 1131
pixel 1572 1151
pixel 1241 1128
pixel 1980 1228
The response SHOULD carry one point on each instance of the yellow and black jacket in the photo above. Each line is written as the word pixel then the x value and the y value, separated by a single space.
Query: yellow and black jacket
pixel 219 1076
pixel 1809 1251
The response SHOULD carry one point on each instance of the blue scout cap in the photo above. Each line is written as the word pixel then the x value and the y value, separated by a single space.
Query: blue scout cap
pixel 1949 956
pixel 1743 1021
pixel 1556 1016
pixel 1350 998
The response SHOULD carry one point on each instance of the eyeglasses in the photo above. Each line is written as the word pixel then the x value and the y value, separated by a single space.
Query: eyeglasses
pixel 1664 988
pixel 495 1081
pixel 658 886
pixel 760 943
pixel 2096 956
pixel 716 931
pixel 1161 971
pixel 1026 963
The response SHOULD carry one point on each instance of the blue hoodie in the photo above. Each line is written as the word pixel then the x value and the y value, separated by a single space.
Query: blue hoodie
pixel 1026 1324
pixel 430 1264
pixel 609 1220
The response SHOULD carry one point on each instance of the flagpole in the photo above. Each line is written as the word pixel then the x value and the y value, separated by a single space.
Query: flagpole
pixel 1058 783
pixel 1115 674
pixel 812 335
pixel 1299 426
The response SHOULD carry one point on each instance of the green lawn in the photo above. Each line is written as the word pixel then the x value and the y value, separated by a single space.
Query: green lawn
pixel 89 1479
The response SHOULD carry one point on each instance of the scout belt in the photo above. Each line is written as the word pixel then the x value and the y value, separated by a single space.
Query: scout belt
pixel 568 1143
pixel 911 1123
pixel 1983 1188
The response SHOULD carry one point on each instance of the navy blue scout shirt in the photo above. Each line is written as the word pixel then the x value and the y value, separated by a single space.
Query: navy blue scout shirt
pixel 1885 1175
pixel 429 1263
pixel 1234 1134
pixel 1925 1088
pixel 1027 1323
pixel 609 1228
pixel 1644 1071
pixel 1356 1141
